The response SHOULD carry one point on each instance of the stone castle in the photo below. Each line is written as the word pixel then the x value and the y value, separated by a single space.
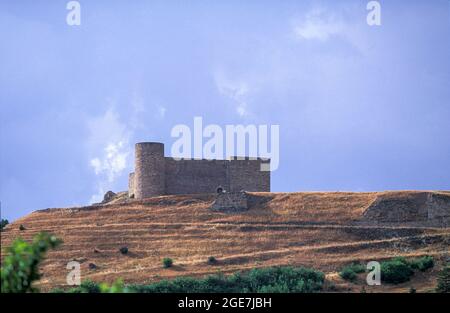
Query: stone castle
pixel 157 175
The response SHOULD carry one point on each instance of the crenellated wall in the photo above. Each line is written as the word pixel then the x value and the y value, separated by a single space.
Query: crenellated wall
pixel 245 174
pixel 158 175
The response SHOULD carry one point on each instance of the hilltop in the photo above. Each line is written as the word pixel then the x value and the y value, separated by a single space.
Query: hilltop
pixel 323 230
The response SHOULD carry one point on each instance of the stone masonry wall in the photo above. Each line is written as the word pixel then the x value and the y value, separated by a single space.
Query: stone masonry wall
pixel 430 208
pixel 195 176
pixel 247 175
pixel 230 202
pixel 158 175
pixel 149 170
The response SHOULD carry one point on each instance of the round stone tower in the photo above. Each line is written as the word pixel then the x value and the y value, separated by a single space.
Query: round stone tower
pixel 149 175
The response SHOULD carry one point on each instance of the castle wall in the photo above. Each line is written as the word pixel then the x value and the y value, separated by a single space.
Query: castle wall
pixel 157 175
pixel 149 172
pixel 247 175
pixel 195 176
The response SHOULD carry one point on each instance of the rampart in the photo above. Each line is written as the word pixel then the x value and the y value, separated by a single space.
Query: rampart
pixel 157 175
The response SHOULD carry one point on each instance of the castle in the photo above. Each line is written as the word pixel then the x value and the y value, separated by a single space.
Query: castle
pixel 157 175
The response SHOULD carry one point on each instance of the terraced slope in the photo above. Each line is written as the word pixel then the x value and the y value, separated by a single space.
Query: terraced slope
pixel 320 230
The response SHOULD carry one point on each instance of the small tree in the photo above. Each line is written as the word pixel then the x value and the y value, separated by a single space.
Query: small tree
pixel 167 262
pixel 20 266
pixel 212 260
pixel 123 250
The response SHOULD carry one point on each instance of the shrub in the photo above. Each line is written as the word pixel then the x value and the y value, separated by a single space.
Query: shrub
pixel 274 279
pixel 400 259
pixel 294 279
pixel 212 260
pixel 3 223
pixel 279 288
pixel 87 286
pixel 422 263
pixel 349 272
pixel 396 271
pixel 21 227
pixel 444 280
pixel 20 267
pixel 116 287
pixel 357 268
pixel 399 269
pixel 167 262
pixel 123 250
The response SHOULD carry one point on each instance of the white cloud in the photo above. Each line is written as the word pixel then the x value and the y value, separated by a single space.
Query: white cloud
pixel 113 162
pixel 110 150
pixel 318 24
pixel 110 146
pixel 237 91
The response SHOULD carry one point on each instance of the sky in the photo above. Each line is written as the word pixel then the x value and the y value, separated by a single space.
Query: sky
pixel 359 107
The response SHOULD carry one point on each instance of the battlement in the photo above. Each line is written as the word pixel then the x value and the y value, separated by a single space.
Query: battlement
pixel 157 175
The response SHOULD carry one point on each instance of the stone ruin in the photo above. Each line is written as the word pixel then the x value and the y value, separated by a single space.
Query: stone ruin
pixel 230 201
pixel 420 208
pixel 157 175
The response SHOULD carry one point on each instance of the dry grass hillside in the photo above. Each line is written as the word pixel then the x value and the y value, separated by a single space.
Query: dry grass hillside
pixel 313 229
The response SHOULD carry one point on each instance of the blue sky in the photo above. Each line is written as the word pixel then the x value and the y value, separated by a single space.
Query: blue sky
pixel 360 108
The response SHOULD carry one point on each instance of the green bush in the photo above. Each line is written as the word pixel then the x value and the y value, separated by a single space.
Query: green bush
pixel 399 269
pixel 396 271
pixel 422 263
pixel 212 260
pixel 274 279
pixel 444 280
pixel 167 262
pixel 123 250
pixel 401 259
pixel 350 272
pixel 20 267
pixel 116 287
pixel 3 223
pixel 89 286
pixel 86 286
pixel 358 268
